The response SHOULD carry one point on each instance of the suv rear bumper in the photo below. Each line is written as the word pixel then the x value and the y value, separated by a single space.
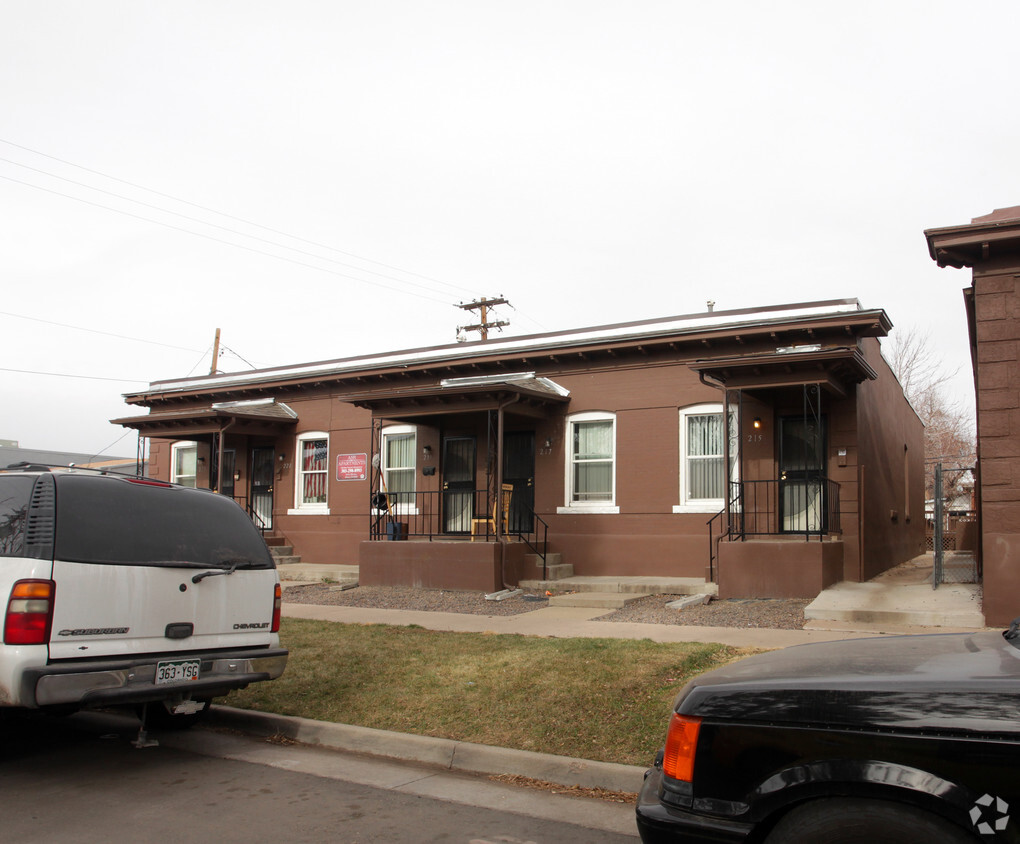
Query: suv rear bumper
pixel 111 682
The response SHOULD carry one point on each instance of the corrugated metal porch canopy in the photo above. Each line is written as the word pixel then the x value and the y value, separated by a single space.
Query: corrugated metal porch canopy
pixel 836 369
pixel 520 393
pixel 257 417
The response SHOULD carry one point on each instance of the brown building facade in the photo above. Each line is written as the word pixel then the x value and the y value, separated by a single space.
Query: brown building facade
pixel 770 450
pixel 990 245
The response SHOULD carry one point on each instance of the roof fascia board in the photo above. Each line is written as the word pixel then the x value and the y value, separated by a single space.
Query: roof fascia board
pixel 948 245
pixel 717 322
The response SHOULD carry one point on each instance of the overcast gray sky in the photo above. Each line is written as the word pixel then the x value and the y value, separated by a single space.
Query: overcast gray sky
pixel 324 179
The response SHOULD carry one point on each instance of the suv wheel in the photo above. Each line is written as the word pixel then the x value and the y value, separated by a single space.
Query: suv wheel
pixel 846 821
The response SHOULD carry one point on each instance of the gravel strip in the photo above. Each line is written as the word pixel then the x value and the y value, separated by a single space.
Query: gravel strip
pixel 746 613
pixel 411 598
pixel 769 613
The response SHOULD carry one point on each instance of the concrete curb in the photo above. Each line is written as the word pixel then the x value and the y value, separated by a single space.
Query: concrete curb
pixel 446 753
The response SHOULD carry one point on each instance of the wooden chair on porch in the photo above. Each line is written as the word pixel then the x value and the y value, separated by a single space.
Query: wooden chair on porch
pixel 490 524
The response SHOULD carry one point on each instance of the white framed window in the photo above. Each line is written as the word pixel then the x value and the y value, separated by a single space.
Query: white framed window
pixel 399 447
pixel 703 435
pixel 184 463
pixel 591 463
pixel 312 476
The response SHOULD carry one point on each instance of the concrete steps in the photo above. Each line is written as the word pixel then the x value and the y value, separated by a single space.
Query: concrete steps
pixel 283 554
pixel 555 568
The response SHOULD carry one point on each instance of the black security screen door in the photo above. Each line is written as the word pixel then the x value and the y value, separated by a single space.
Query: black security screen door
pixel 458 484
pixel 262 468
pixel 802 474
pixel 519 470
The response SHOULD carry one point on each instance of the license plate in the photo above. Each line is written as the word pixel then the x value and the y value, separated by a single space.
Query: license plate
pixel 177 671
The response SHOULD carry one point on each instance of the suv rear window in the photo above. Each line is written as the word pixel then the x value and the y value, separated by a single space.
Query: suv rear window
pixel 126 522
pixel 15 494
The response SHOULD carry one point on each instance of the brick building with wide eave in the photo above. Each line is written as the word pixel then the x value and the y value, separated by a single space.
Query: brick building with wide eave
pixel 990 246
pixel 770 450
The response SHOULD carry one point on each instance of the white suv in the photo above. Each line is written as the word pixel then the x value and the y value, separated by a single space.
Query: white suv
pixel 128 591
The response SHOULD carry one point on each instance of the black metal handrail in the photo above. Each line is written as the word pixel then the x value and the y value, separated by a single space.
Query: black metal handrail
pixel 453 514
pixel 808 505
pixel 244 504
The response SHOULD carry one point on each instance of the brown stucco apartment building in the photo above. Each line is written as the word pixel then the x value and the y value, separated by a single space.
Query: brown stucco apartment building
pixel 990 245
pixel 770 450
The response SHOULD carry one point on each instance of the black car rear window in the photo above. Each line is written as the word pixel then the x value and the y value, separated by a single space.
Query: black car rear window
pixel 15 494
pixel 120 521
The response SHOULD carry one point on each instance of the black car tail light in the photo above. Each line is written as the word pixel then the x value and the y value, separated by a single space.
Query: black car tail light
pixel 681 746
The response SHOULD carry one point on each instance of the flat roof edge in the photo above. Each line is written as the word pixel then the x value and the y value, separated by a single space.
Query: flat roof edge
pixel 545 342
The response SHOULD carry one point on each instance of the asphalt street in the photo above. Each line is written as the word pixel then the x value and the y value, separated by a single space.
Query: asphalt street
pixel 80 780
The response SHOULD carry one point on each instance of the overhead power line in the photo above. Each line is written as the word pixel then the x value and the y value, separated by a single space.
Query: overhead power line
pixel 97 331
pixel 69 375
pixel 202 222
pixel 227 242
pixel 223 214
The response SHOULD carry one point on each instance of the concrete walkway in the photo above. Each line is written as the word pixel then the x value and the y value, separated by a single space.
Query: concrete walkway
pixel 899 601
pixel 577 622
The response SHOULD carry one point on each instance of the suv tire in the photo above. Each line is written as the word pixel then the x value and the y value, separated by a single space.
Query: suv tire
pixel 848 821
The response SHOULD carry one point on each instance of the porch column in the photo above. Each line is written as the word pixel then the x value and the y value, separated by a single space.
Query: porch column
pixel 499 474
pixel 219 454
pixel 726 456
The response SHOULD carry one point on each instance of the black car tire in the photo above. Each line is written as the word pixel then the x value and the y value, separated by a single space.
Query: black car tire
pixel 847 821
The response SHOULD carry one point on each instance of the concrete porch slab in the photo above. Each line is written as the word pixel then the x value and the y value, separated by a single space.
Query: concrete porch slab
pixel 600 600
pixel 645 585
pixel 318 573
pixel 897 604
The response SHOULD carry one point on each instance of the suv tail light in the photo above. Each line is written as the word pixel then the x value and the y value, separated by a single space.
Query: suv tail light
pixel 681 744
pixel 277 607
pixel 29 613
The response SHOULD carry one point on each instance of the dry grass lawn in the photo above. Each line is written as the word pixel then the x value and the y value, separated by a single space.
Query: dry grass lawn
pixel 603 699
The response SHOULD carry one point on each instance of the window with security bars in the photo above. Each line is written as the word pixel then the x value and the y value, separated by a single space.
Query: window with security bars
pixel 399 451
pixel 313 470
pixel 592 457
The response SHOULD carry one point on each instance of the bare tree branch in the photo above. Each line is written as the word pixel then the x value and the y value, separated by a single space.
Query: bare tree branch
pixel 948 427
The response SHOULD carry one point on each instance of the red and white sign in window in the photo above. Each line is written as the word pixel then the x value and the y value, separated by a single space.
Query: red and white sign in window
pixel 352 467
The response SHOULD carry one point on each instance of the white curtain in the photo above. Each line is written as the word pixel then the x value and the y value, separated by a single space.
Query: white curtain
pixel 399 467
pixel 705 461
pixel 593 461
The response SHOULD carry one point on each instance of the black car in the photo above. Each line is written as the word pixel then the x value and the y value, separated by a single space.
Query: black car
pixel 901 739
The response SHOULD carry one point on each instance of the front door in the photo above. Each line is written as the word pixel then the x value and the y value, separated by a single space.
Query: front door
pixel 802 474
pixel 519 470
pixel 458 484
pixel 262 469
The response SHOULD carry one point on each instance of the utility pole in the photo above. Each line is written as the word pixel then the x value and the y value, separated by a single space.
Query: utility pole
pixel 483 325
pixel 215 354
